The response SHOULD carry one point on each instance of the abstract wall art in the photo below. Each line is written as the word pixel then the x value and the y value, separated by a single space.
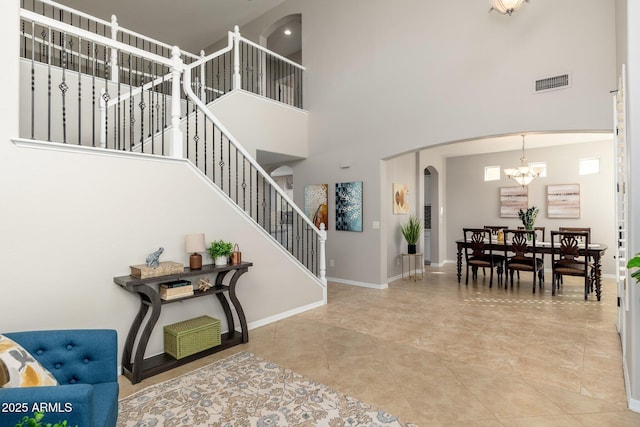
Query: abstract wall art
pixel 512 199
pixel 349 206
pixel 316 202
pixel 400 199
pixel 563 201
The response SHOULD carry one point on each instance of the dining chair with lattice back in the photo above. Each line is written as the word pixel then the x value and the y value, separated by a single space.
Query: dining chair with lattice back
pixel 580 230
pixel 570 259
pixel 522 243
pixel 478 253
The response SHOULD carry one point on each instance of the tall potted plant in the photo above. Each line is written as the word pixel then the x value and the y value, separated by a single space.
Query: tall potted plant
pixel 411 231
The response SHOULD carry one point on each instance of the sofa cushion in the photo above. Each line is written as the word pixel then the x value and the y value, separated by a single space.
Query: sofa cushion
pixel 19 369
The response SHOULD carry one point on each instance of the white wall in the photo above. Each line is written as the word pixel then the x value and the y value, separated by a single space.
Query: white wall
pixel 274 127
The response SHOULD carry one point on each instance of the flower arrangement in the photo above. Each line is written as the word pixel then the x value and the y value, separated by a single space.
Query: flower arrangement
pixel 528 217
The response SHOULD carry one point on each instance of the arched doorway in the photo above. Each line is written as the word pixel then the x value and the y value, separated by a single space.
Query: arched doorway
pixel 431 216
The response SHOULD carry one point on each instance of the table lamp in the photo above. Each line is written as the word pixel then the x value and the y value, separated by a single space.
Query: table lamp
pixel 195 244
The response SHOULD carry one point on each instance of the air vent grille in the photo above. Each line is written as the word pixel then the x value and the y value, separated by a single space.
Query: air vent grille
pixel 552 83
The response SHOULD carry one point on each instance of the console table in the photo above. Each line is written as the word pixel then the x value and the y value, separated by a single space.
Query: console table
pixel 137 368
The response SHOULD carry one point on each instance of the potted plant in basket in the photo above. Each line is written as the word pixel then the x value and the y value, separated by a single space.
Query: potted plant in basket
pixel 411 231
pixel 220 251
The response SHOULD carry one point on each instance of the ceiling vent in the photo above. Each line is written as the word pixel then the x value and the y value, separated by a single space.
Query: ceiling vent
pixel 546 84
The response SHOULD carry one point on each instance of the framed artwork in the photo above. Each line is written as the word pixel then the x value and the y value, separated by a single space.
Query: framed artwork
pixel 316 203
pixel 563 201
pixel 512 199
pixel 400 199
pixel 349 206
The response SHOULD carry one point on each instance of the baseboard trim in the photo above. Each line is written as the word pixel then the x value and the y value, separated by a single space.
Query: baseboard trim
pixel 284 315
pixel 355 283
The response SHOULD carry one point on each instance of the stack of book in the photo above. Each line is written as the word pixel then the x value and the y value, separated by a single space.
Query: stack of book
pixel 175 289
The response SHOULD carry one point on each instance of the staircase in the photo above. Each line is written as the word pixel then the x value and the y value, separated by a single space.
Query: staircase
pixel 89 82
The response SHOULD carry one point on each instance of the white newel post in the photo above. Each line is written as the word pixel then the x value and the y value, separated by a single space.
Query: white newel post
pixel 114 52
pixel 323 260
pixel 237 81
pixel 176 71
pixel 203 80
pixel 103 119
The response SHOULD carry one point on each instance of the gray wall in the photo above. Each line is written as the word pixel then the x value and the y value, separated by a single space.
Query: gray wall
pixel 472 202
pixel 419 74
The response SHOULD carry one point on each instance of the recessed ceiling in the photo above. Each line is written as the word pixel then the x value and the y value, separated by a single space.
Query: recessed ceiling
pixel 192 25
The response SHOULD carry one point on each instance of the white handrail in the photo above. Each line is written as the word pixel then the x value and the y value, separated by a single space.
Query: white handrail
pixel 76 12
pixel 109 24
pixel 138 89
pixel 186 78
pixel 87 35
pixel 230 37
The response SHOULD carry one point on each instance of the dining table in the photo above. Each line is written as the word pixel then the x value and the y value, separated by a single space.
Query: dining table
pixel 595 251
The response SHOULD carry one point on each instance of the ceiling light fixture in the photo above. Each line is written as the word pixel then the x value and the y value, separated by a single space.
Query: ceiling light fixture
pixel 287 32
pixel 506 7
pixel 523 174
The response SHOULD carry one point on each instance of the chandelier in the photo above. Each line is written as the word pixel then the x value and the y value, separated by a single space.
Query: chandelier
pixel 523 174
pixel 507 7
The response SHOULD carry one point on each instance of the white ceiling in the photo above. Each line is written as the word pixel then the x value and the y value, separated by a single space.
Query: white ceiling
pixel 192 25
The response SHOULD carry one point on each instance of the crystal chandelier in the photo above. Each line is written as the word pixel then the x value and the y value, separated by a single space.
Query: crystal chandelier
pixel 507 7
pixel 523 174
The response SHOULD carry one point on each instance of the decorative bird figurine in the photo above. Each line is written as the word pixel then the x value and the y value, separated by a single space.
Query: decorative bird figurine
pixel 153 258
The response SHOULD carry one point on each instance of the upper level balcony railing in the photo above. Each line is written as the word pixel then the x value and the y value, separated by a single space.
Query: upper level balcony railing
pixel 88 82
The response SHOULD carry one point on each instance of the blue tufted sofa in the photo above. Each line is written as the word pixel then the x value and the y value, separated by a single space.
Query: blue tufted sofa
pixel 84 362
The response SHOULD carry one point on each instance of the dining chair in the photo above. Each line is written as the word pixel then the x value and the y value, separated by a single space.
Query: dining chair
pixel 478 252
pixel 522 243
pixel 540 232
pixel 569 260
pixel 580 230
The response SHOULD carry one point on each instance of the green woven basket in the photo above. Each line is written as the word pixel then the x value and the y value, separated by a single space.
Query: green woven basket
pixel 191 336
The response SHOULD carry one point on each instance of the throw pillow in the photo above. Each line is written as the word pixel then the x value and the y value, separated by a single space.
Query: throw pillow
pixel 19 369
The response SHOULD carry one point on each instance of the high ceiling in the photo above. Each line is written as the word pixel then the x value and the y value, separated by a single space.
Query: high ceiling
pixel 192 25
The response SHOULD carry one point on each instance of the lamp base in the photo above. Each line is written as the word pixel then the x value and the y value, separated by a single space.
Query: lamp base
pixel 195 261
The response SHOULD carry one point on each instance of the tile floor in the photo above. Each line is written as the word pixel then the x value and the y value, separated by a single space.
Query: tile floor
pixel 438 353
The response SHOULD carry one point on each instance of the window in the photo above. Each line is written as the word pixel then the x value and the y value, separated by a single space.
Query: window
pixel 589 166
pixel 541 167
pixel 491 173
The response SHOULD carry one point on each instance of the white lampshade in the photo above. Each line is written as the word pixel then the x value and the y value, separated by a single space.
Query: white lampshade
pixel 506 7
pixel 195 243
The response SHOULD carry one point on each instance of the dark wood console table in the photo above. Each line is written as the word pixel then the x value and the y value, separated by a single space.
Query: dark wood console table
pixel 137 368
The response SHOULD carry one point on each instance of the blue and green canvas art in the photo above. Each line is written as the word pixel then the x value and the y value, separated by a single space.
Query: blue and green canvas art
pixel 349 206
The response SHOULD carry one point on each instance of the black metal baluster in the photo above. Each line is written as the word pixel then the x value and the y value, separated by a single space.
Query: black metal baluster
pixel 79 90
pixel 33 81
pixel 91 52
pixel 141 104
pixel 131 117
pixel 229 165
pixel 64 87
pixel 164 111
pixel 236 170
pixel 150 91
pixel 49 85
pixel 244 184
pixel 106 95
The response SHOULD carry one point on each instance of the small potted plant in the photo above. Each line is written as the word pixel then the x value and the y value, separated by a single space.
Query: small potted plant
pixel 411 231
pixel 220 252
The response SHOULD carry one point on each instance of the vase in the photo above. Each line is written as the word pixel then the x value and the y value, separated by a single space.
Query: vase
pixel 221 260
pixel 411 249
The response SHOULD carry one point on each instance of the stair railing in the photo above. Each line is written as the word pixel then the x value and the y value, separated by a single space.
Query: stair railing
pixel 212 148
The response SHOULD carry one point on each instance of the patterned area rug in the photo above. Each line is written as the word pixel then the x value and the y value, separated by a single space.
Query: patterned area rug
pixel 244 390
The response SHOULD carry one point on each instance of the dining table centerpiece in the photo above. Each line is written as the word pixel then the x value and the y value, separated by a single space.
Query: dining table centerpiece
pixel 528 217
